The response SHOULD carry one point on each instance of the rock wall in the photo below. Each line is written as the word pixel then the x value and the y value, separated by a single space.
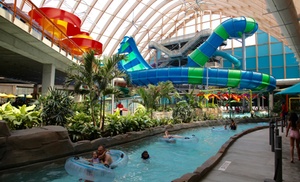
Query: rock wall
pixel 24 147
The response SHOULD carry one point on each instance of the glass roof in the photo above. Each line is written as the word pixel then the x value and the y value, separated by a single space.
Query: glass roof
pixel 108 21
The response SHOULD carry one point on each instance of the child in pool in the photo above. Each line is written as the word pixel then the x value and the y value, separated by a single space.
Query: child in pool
pixel 95 158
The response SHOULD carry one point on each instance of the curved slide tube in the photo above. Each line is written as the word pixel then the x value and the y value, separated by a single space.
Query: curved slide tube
pixel 229 57
pixel 141 73
pixel 231 28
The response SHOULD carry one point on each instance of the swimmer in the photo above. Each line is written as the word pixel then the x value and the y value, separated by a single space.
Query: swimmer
pixel 145 155
pixel 233 125
pixel 225 127
pixel 167 135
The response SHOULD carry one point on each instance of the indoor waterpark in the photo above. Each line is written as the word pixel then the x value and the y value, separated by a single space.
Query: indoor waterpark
pixel 149 90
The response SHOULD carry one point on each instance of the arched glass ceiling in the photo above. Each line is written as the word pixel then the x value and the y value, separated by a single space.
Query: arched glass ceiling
pixel 108 21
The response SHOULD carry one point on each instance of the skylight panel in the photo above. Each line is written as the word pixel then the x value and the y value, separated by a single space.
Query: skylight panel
pixel 110 47
pixel 112 25
pixel 93 15
pixel 161 8
pixel 104 18
pixel 113 6
pixel 65 6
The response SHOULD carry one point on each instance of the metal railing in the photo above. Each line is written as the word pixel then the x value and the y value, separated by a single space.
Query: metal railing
pixel 276 146
pixel 15 9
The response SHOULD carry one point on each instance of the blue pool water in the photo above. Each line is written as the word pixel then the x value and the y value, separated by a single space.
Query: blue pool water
pixel 168 160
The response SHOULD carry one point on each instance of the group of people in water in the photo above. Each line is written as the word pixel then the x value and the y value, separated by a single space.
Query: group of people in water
pixel 101 156
pixel 145 155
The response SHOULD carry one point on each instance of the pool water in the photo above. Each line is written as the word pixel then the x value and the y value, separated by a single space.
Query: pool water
pixel 167 162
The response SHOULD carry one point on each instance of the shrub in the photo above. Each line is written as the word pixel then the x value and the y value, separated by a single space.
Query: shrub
pixel 56 107
pixel 81 127
pixel 183 112
pixel 20 118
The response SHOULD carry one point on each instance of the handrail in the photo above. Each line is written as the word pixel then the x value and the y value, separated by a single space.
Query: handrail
pixel 32 24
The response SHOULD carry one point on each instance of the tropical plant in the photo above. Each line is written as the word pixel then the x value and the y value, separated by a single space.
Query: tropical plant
pixel 93 78
pixel 140 120
pixel 104 78
pixel 183 112
pixel 152 94
pixel 82 76
pixel 192 99
pixel 20 118
pixel 167 91
pixel 81 127
pixel 56 107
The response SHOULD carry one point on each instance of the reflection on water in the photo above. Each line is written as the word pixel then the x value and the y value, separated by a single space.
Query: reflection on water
pixel 168 161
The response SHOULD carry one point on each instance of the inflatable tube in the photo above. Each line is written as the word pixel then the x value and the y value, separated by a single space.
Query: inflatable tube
pixel 81 168
pixel 168 140
pixel 219 129
pixel 119 158
pixel 192 139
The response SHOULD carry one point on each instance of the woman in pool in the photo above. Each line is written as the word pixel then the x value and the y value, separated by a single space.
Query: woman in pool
pixel 232 125
pixel 167 135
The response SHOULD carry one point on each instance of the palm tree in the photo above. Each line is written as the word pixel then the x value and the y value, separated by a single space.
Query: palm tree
pixel 165 88
pixel 152 94
pixel 104 78
pixel 82 76
pixel 93 78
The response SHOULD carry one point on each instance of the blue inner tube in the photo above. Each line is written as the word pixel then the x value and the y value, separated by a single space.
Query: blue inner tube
pixel 219 129
pixel 191 138
pixel 81 168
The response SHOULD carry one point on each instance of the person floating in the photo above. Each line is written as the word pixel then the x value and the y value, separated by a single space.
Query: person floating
pixel 293 128
pixel 167 135
pixel 104 156
pixel 232 125
pixel 145 155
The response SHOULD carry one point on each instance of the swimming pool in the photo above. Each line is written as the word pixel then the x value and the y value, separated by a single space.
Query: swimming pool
pixel 168 161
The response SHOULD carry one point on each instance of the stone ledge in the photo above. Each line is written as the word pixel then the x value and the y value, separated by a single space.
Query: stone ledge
pixel 4 130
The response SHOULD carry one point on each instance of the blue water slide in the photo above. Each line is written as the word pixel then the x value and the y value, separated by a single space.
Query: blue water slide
pixel 141 73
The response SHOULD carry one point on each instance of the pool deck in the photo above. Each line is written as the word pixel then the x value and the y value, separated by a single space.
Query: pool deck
pixel 250 159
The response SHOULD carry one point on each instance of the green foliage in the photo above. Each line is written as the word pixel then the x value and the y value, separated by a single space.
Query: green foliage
pixel 81 127
pixel 116 124
pixel 56 107
pixel 211 105
pixel 152 94
pixel 167 108
pixel 277 106
pixel 183 112
pixel 19 118
pixel 140 110
pixel 192 99
pixel 81 107
pixel 93 79
pixel 166 121
pixel 209 116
